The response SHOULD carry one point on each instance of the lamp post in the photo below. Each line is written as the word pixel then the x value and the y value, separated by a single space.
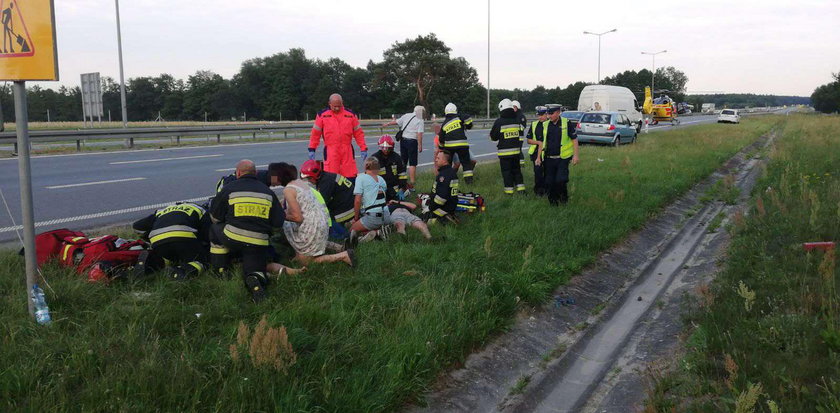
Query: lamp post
pixel 653 67
pixel 122 77
pixel 599 48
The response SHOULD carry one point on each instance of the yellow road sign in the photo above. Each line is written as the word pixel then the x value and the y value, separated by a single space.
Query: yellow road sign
pixel 29 50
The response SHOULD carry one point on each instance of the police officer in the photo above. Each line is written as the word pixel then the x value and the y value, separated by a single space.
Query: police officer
pixel 559 148
pixel 453 138
pixel 535 138
pixel 522 122
pixel 392 168
pixel 507 132
pixel 336 190
pixel 444 197
pixel 178 233
pixel 244 214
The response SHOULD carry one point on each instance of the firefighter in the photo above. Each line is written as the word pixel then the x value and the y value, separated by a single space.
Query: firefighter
pixel 244 214
pixel 338 126
pixel 178 233
pixel 392 168
pixel 506 131
pixel 444 197
pixel 453 138
pixel 523 122
pixel 336 190
pixel 535 138
pixel 559 148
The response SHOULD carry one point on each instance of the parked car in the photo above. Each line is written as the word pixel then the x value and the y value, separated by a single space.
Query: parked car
pixel 605 127
pixel 729 116
pixel 611 99
pixel 573 116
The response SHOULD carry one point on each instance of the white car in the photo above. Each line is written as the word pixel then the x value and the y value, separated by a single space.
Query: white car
pixel 729 116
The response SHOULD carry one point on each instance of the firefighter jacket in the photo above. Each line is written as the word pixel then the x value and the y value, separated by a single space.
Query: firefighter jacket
pixel 506 131
pixel 337 192
pixel 338 130
pixel 175 223
pixel 453 133
pixel 445 192
pixel 392 168
pixel 249 210
pixel 523 123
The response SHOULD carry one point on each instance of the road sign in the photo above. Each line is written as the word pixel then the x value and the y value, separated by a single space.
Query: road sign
pixel 29 49
pixel 91 97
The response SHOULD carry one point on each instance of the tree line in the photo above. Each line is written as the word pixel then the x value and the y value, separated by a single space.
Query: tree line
pixel 292 86
pixel 826 98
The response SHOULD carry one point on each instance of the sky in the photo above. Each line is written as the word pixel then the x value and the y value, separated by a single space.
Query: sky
pixel 767 47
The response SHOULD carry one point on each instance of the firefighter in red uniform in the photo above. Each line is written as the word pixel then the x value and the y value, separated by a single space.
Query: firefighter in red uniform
pixel 339 127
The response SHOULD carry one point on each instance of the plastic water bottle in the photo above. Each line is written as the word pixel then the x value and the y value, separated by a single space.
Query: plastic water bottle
pixel 42 312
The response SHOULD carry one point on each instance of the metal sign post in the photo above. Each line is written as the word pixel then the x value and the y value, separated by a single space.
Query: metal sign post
pixel 32 56
pixel 25 175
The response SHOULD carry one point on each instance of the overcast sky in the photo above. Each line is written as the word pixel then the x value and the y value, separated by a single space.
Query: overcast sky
pixel 776 47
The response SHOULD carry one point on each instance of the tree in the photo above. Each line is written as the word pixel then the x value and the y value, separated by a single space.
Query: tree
pixel 826 98
pixel 422 65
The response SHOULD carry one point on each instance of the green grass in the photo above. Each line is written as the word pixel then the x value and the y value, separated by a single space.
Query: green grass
pixel 370 339
pixel 769 326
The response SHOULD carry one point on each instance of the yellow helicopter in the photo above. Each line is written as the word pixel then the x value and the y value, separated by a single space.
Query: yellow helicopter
pixel 661 109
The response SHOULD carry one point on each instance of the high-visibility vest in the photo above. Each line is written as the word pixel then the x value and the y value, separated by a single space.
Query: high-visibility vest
pixel 566 148
pixel 533 148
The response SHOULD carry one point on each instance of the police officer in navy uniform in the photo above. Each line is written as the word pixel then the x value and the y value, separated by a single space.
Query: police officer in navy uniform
pixel 535 138
pixel 245 213
pixel 179 234
pixel 559 149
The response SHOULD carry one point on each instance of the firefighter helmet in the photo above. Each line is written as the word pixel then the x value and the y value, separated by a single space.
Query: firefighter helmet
pixel 505 104
pixel 450 108
pixel 386 141
pixel 310 169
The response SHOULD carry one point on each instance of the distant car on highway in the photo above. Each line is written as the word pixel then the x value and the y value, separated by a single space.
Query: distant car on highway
pixel 729 116
pixel 573 116
pixel 611 128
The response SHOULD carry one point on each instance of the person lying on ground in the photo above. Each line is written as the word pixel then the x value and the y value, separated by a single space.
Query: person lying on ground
pixel 307 221
pixel 402 216
pixel 371 214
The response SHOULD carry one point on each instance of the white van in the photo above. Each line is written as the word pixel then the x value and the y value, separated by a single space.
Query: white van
pixel 611 99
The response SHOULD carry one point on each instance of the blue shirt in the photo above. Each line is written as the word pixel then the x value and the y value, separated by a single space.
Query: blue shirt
pixel 371 189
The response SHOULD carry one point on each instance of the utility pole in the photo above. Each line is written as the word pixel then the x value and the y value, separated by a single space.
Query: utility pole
pixel 599 48
pixel 488 59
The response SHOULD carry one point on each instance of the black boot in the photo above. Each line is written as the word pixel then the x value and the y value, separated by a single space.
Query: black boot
pixel 255 282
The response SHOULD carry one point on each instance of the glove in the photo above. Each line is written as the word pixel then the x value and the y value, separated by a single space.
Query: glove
pixel 311 154
pixel 364 155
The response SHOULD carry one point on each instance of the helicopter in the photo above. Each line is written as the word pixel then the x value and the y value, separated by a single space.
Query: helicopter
pixel 661 109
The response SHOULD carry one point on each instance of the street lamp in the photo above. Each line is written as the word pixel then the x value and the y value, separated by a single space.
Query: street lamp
pixel 599 48
pixel 488 59
pixel 122 77
pixel 653 67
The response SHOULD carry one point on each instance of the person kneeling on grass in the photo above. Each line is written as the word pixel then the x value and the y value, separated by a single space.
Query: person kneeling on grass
pixel 444 198
pixel 402 216
pixel 307 223
pixel 372 215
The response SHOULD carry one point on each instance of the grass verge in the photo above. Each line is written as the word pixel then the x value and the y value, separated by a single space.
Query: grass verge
pixel 767 336
pixel 336 339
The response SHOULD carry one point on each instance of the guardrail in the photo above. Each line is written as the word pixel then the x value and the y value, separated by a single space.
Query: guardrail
pixel 130 134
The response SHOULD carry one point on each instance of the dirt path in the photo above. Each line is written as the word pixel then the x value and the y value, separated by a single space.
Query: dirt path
pixel 590 355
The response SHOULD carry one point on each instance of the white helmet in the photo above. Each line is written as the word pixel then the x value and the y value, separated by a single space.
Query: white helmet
pixel 505 104
pixel 516 104
pixel 450 108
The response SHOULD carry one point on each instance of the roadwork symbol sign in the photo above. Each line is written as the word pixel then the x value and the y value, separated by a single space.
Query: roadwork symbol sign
pixel 28 51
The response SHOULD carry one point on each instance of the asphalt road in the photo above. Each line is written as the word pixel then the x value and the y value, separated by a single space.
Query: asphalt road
pixel 88 190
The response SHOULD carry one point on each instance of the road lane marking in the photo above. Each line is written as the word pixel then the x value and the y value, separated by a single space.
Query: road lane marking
pixel 94 183
pixel 59 221
pixel 178 158
pixel 233 169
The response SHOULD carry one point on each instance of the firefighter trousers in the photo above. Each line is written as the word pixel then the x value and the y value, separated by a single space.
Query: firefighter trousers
pixel 464 158
pixel 254 257
pixel 183 251
pixel 556 180
pixel 511 174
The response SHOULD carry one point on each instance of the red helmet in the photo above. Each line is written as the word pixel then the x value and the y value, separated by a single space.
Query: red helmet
pixel 386 141
pixel 310 169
